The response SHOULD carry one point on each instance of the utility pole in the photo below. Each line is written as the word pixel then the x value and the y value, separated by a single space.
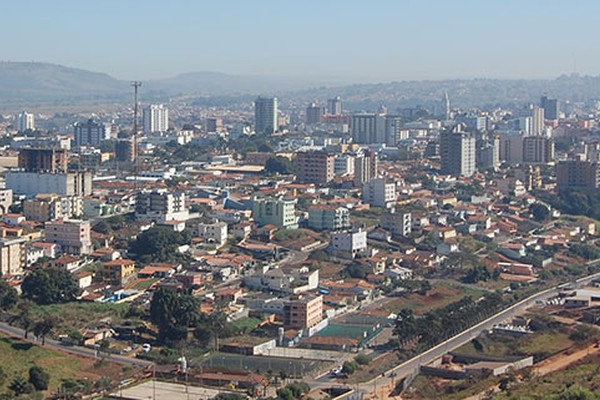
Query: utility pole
pixel 136 85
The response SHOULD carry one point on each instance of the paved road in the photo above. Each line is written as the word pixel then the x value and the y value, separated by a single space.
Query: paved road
pixel 412 366
pixel 77 350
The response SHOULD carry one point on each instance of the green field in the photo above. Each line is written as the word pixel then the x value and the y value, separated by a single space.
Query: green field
pixel 78 315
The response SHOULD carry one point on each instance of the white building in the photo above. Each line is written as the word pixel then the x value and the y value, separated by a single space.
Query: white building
pixel 378 193
pixel 62 184
pixel 343 164
pixel 25 121
pixel 265 115
pixel 155 119
pixel 72 235
pixel 160 206
pixel 215 232
pixel 398 223
pixel 348 244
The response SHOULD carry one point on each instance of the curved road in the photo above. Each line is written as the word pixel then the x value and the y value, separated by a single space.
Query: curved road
pixel 412 366
pixel 77 350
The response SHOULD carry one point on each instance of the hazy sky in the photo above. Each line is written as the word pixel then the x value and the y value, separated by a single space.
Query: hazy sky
pixel 366 40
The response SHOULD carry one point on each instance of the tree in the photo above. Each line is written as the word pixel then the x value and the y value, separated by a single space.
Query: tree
pixel 358 270
pixel 8 296
pixel 50 286
pixel 540 211
pixel 43 328
pixel 285 394
pixel 20 386
pixel 279 165
pixel 39 378
pixel 349 367
pixel 173 313
pixel 159 244
pixel 362 359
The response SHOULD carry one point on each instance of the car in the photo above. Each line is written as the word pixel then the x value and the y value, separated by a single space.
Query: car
pixel 146 347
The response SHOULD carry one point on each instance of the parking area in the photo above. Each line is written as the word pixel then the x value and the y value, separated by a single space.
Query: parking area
pixel 163 390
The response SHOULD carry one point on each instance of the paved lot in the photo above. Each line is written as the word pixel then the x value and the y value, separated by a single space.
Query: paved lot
pixel 164 390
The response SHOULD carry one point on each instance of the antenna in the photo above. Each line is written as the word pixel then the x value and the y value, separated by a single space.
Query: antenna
pixel 136 85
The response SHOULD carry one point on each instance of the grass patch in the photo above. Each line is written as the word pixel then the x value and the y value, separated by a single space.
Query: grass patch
pixel 246 325
pixel 79 314
pixel 144 284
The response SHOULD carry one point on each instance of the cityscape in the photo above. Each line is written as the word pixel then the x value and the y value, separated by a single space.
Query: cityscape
pixel 284 234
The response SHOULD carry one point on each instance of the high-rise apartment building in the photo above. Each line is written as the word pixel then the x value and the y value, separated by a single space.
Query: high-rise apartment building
pixel 161 205
pixel 328 217
pixel 551 108
pixel 314 167
pixel 365 168
pixel 90 133
pixel 379 193
pixel 155 119
pixel 279 212
pixel 43 160
pixel 457 151
pixel 25 121
pixel 214 125
pixel 266 115
pixel 72 235
pixel 397 222
pixel 578 174
pixel 368 128
pixel 314 112
pixel 538 149
pixel 537 121
pixel 334 106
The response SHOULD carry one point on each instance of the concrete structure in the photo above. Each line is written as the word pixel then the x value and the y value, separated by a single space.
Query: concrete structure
pixel 279 212
pixel 155 119
pixel 314 167
pixel 511 147
pixel 578 174
pixel 326 217
pixel 365 168
pixel 265 115
pixel 118 272
pixel 6 199
pixel 62 184
pixel 368 128
pixel 214 125
pixel 215 232
pixel 90 133
pixel 12 256
pixel 25 121
pixel 551 108
pixel 161 205
pixel 348 244
pixel 378 193
pixel 334 106
pixel 457 150
pixel 43 160
pixel 538 149
pixel 537 121
pixel 314 112
pixel 294 281
pixel 303 312
pixel 47 207
pixel 343 164
pixel 72 235
pixel 397 222
pixel 126 150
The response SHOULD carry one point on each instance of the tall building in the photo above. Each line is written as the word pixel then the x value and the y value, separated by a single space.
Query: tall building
pixel 155 119
pixel 457 151
pixel 511 147
pixel 328 217
pixel 160 206
pixel 446 101
pixel 25 121
pixel 397 222
pixel 90 133
pixel 126 150
pixel 302 312
pixel 266 115
pixel 61 183
pixel 368 128
pixel 334 106
pixel 578 174
pixel 214 125
pixel 538 149
pixel 48 207
pixel 279 212
pixel 551 108
pixel 43 160
pixel 537 121
pixel 12 255
pixel 72 235
pixel 393 130
pixel 314 112
pixel 314 167
pixel 365 168
pixel 379 193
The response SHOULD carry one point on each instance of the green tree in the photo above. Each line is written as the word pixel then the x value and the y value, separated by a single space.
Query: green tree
pixel 8 295
pixel 540 211
pixel 173 313
pixel 349 367
pixel 285 394
pixel 279 165
pixel 20 386
pixel 39 378
pixel 159 244
pixel 362 359
pixel 577 393
pixel 42 328
pixel 50 286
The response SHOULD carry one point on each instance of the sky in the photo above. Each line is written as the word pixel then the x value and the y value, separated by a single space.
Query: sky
pixel 365 41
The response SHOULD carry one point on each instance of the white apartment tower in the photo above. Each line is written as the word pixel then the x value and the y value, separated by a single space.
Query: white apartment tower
pixel 155 119
pixel 265 115
pixel 457 150
pixel 25 121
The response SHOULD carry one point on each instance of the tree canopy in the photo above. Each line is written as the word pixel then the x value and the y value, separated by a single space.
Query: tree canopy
pixel 159 244
pixel 173 313
pixel 50 286
pixel 8 296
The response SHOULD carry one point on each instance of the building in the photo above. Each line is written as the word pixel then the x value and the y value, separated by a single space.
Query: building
pixel 537 121
pixel 118 272
pixel 62 184
pixel 302 312
pixel 215 232
pixel 578 174
pixel 326 217
pixel 551 107
pixel 6 199
pixel 488 153
pixel 334 106
pixel 511 147
pixel 93 159
pixel 314 112
pixel 365 168
pixel 397 222
pixel 12 256
pixel 457 150
pixel 48 207
pixel 25 121
pixel 161 205
pixel 72 235
pixel 266 115
pixel 394 130
pixel 348 244
pixel 126 150
pixel 155 119
pixel 275 211
pixel 368 128
pixel 90 133
pixel 43 160
pixel 214 125
pixel 378 193
pixel 538 149
pixel 314 167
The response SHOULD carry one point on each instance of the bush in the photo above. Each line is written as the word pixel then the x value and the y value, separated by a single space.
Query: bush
pixel 362 359
pixel 39 378
pixel 349 367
